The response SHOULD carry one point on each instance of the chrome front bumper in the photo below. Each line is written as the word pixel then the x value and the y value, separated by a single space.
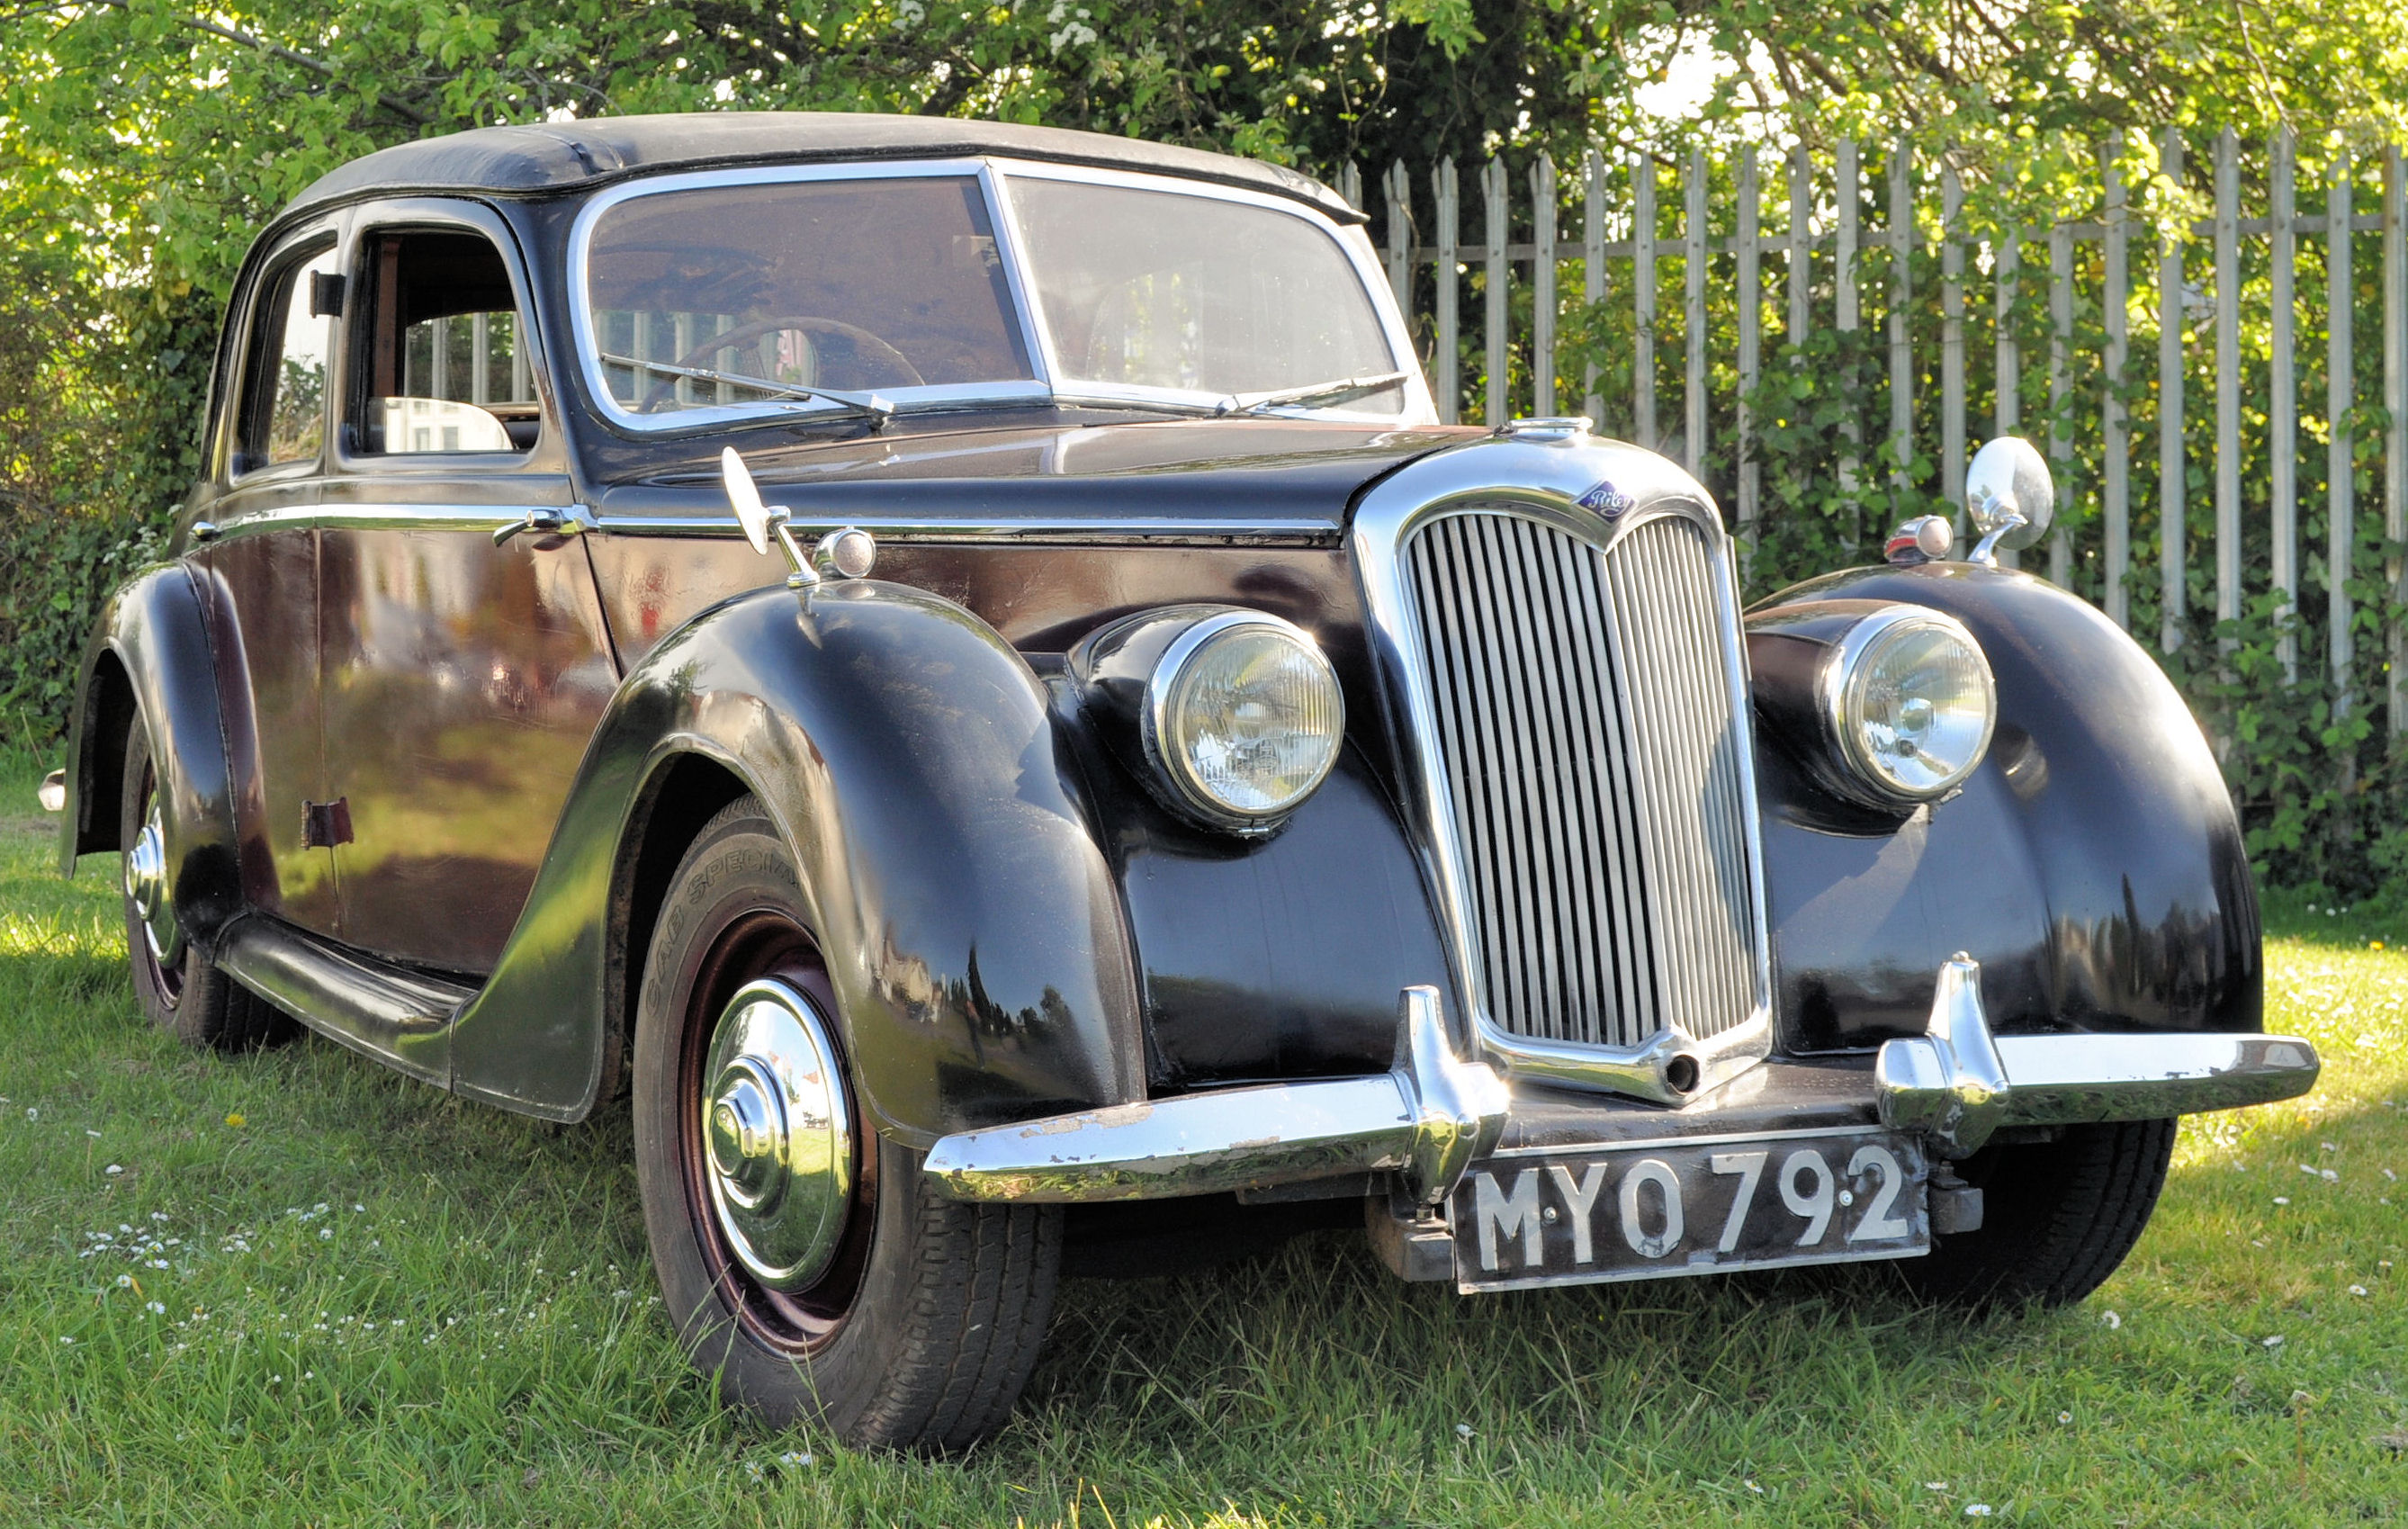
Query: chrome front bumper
pixel 1430 1116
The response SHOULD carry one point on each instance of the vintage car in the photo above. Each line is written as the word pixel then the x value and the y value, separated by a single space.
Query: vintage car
pixel 1234 802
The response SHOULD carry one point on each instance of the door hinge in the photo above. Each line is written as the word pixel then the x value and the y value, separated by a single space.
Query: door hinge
pixel 325 824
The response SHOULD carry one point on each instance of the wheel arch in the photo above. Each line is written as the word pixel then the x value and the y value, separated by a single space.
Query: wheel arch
pixel 151 653
pixel 910 757
pixel 683 793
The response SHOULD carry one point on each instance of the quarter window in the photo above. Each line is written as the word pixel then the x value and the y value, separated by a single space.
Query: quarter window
pixel 285 419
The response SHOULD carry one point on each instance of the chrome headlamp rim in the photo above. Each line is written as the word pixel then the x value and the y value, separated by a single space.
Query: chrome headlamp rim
pixel 1859 776
pixel 1169 763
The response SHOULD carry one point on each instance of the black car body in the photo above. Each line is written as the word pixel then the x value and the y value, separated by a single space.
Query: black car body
pixel 1590 947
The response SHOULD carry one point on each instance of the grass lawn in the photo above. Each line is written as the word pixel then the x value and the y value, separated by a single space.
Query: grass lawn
pixel 296 1289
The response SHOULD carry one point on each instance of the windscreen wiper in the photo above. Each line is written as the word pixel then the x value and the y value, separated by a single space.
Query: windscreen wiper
pixel 1338 391
pixel 867 405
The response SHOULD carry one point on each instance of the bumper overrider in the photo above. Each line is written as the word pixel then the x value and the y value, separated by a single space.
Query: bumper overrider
pixel 1433 1114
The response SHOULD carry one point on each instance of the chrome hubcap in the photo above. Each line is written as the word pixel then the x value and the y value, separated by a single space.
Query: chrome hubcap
pixel 777 1136
pixel 146 883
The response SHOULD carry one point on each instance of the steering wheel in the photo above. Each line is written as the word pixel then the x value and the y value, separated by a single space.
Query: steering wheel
pixel 867 344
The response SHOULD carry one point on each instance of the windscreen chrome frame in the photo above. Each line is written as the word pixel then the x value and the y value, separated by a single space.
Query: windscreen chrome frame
pixel 1035 391
pixel 1047 387
pixel 1545 482
pixel 1396 334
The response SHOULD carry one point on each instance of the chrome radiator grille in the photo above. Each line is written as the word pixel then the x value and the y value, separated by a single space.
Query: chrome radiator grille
pixel 1587 735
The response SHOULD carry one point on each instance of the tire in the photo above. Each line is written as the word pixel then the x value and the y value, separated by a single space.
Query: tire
pixel 180 991
pixel 929 1314
pixel 2057 1216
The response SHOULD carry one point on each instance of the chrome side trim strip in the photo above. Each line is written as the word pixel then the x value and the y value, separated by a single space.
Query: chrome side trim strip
pixel 1079 530
pixel 1058 530
pixel 1960 1084
pixel 1426 1120
pixel 485 518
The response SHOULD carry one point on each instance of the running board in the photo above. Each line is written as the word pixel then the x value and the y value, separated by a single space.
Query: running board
pixel 390 1012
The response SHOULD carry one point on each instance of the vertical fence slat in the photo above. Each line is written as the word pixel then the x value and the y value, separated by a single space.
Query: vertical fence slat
pixel 2173 597
pixel 2395 403
pixel 1801 245
pixel 1901 351
pixel 1643 294
pixel 1350 183
pixel 2007 271
pixel 1450 231
pixel 1952 343
pixel 439 354
pixel 2228 380
pixel 2116 304
pixel 1751 341
pixel 2060 383
pixel 1493 183
pixel 2340 511
pixel 1846 315
pixel 2283 388
pixel 1593 268
pixel 1400 235
pixel 1693 314
pixel 1543 287
pixel 481 361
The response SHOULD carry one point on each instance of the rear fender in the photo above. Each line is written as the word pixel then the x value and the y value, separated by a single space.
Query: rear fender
pixel 965 914
pixel 151 650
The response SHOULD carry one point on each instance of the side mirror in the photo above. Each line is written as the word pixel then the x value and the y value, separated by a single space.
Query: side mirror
pixel 2010 497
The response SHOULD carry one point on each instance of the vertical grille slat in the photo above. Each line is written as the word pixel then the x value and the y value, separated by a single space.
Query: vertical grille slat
pixel 1586 726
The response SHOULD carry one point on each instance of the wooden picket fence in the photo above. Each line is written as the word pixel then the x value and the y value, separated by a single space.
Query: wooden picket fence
pixel 1622 238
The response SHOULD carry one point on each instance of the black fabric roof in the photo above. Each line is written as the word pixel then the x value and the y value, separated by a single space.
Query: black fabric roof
pixel 549 157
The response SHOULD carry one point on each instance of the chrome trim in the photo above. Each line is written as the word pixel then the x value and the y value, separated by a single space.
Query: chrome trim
pixel 489 518
pixel 1546 480
pixel 777 1135
pixel 992 173
pixel 1427 1119
pixel 1857 776
pixel 1960 1084
pixel 846 552
pixel 968 531
pixel 1402 352
pixel 1171 765
pixel 146 888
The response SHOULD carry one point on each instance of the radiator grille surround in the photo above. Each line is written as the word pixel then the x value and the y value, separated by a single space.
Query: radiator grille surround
pixel 1578 709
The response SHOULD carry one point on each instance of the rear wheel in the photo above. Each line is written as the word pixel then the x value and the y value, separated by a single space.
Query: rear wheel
pixel 178 989
pixel 2057 1217
pixel 809 1267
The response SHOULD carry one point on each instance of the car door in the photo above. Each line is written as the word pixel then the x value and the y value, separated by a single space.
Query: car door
pixel 462 677
pixel 255 563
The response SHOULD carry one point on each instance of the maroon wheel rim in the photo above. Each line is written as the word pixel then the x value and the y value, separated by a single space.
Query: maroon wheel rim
pixel 766 943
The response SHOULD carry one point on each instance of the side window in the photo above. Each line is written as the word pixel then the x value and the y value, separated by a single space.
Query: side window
pixel 284 409
pixel 442 368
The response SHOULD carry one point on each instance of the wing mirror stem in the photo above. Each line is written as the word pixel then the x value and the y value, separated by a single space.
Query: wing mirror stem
pixel 760 521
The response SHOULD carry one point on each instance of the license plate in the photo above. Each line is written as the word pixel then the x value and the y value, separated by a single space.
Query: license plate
pixel 1702 1205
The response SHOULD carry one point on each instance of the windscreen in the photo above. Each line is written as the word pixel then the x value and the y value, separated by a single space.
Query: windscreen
pixel 1158 289
pixel 741 294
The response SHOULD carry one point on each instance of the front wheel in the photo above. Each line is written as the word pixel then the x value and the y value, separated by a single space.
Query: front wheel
pixel 809 1267
pixel 2057 1217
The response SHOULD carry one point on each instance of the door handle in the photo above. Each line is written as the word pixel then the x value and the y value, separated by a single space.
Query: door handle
pixel 547 520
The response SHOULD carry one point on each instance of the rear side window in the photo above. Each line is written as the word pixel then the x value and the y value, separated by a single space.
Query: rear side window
pixel 283 418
